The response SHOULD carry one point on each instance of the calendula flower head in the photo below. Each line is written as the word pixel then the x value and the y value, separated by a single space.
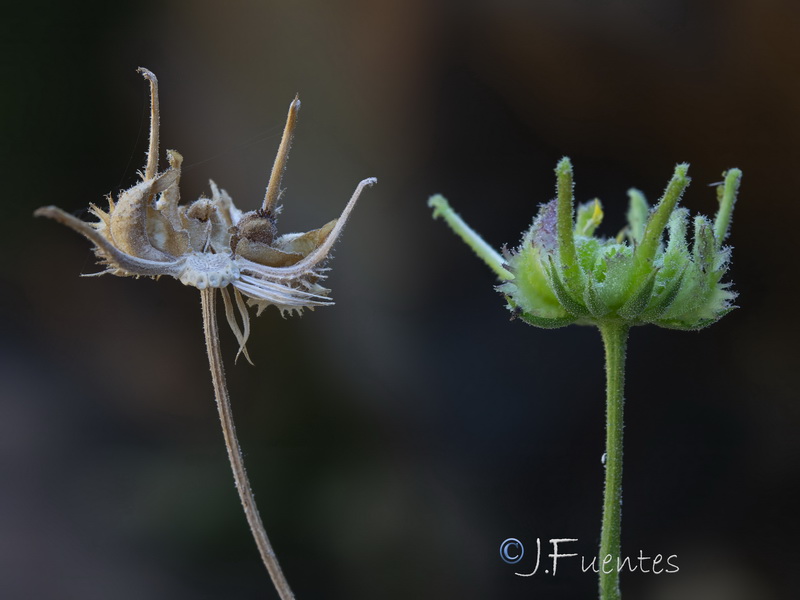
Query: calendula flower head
pixel 562 273
pixel 210 243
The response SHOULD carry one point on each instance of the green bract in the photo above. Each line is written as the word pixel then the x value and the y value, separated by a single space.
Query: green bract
pixel 563 274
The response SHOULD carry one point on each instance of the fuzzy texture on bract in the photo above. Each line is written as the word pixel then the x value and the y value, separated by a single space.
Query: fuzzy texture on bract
pixel 209 243
pixel 561 273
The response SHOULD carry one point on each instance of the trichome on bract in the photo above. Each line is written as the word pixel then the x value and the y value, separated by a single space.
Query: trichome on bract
pixel 562 273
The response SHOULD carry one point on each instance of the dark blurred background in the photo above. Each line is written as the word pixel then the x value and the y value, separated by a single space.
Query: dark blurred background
pixel 396 439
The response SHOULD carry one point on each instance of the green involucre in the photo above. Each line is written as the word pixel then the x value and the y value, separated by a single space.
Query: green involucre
pixel 563 274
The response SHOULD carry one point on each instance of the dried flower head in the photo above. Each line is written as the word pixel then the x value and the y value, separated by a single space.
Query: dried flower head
pixel 210 243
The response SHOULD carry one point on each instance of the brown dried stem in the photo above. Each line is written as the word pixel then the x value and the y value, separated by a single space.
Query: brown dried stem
pixel 274 185
pixel 208 302
pixel 151 169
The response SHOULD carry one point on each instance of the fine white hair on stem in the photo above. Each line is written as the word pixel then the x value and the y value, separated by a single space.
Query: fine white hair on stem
pixel 152 153
pixel 274 185
pixel 211 331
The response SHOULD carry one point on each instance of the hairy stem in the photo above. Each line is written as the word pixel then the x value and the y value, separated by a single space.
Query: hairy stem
pixel 208 302
pixel 495 261
pixel 274 185
pixel 565 224
pixel 615 340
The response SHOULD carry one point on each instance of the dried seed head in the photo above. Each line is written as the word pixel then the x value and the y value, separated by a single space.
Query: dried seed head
pixel 210 242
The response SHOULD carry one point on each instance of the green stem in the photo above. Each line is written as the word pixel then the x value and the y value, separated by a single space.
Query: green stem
pixel 615 341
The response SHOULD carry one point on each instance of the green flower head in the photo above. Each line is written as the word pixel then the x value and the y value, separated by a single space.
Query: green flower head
pixel 562 273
